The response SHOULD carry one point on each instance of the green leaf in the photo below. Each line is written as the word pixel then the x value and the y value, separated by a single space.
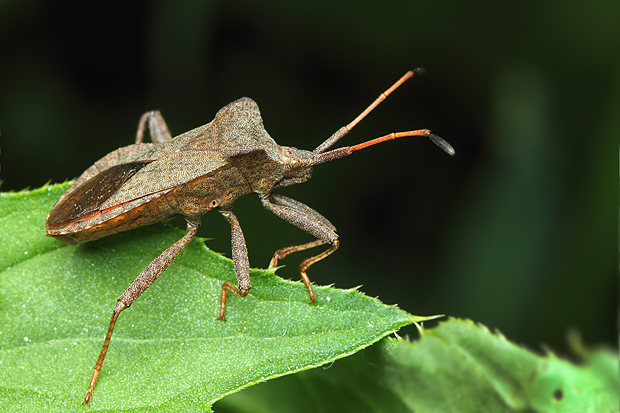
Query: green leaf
pixel 456 367
pixel 168 352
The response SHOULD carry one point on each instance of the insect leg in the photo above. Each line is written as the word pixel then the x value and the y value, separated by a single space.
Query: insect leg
pixel 306 210
pixel 140 284
pixel 241 261
pixel 310 221
pixel 303 208
pixel 157 127
pixel 283 252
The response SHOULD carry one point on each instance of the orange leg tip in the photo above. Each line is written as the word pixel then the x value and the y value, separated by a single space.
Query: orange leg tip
pixel 91 387
pixel 222 312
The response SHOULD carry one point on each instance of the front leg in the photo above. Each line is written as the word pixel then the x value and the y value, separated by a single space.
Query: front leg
pixel 310 221
pixel 241 261
pixel 304 209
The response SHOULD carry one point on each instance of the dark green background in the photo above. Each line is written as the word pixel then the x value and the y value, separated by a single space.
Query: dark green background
pixel 518 231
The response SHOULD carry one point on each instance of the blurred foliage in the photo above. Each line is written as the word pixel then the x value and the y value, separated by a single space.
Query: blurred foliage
pixel 455 367
pixel 517 231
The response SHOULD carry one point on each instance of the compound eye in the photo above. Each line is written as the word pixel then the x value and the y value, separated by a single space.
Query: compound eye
pixel 295 163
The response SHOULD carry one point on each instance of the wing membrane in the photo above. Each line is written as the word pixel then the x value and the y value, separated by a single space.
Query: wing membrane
pixel 89 196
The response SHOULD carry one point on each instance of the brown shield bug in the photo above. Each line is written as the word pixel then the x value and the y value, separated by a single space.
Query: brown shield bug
pixel 208 167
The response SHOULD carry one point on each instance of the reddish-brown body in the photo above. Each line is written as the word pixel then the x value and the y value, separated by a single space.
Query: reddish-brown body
pixel 145 183
pixel 206 168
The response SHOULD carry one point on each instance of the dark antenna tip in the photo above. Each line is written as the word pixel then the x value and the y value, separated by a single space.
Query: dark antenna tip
pixel 442 144
pixel 419 71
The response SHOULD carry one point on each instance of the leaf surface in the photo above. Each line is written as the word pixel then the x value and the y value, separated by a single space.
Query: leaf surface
pixel 168 351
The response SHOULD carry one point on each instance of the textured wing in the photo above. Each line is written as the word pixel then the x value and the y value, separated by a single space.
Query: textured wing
pixel 165 173
pixel 127 182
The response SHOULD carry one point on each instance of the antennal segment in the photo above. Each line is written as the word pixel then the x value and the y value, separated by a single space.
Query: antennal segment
pixel 346 129
pixel 348 150
pixel 394 135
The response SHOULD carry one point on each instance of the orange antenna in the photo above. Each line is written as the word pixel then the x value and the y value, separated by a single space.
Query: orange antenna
pixel 346 129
